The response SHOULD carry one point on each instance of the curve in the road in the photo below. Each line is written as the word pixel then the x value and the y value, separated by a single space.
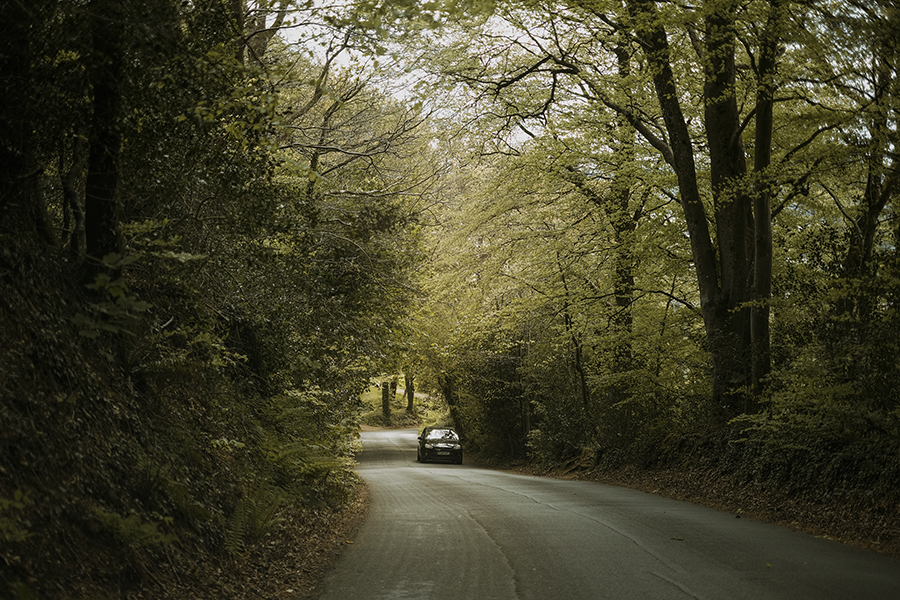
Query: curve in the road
pixel 457 532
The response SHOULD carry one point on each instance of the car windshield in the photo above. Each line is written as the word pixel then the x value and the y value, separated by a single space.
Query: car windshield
pixel 442 434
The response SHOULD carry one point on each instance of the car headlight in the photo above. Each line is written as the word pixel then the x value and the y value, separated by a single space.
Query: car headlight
pixel 429 446
pixel 457 447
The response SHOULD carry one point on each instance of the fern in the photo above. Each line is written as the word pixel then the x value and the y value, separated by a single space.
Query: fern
pixel 133 530
pixel 254 516
pixel 265 512
pixel 236 530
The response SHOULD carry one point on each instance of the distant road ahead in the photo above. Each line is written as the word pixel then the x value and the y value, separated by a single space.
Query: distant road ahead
pixel 447 532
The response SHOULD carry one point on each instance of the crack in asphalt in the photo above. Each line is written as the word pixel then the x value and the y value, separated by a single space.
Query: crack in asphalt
pixel 516 579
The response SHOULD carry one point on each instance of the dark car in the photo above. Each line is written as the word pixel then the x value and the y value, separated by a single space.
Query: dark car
pixel 439 443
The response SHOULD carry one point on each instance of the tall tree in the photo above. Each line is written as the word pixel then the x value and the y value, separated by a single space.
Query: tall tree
pixel 698 132
pixel 108 25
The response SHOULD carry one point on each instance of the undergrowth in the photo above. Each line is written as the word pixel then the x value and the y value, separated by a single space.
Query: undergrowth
pixel 123 465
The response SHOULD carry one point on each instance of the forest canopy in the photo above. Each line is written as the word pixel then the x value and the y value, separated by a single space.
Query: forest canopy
pixel 619 231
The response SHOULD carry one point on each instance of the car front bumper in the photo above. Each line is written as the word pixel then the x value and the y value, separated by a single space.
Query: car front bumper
pixel 441 454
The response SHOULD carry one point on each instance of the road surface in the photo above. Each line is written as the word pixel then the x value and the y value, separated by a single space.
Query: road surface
pixel 448 532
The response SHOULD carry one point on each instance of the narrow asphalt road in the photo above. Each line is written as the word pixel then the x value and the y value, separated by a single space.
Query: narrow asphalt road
pixel 457 532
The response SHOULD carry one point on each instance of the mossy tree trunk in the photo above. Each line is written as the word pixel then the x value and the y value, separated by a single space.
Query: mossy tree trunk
pixel 410 392
pixel 386 400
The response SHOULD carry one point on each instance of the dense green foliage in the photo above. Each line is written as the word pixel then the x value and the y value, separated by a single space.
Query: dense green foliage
pixel 209 240
pixel 681 227
pixel 596 230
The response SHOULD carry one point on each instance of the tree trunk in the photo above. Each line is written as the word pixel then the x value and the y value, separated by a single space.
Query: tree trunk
pixel 880 185
pixel 624 224
pixel 258 34
pixel 15 64
pixel 101 205
pixel 577 347
pixel 725 281
pixel 386 401
pixel 762 202
pixel 410 392
pixel 732 204
pixel 653 38
pixel 238 9
pixel 71 196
